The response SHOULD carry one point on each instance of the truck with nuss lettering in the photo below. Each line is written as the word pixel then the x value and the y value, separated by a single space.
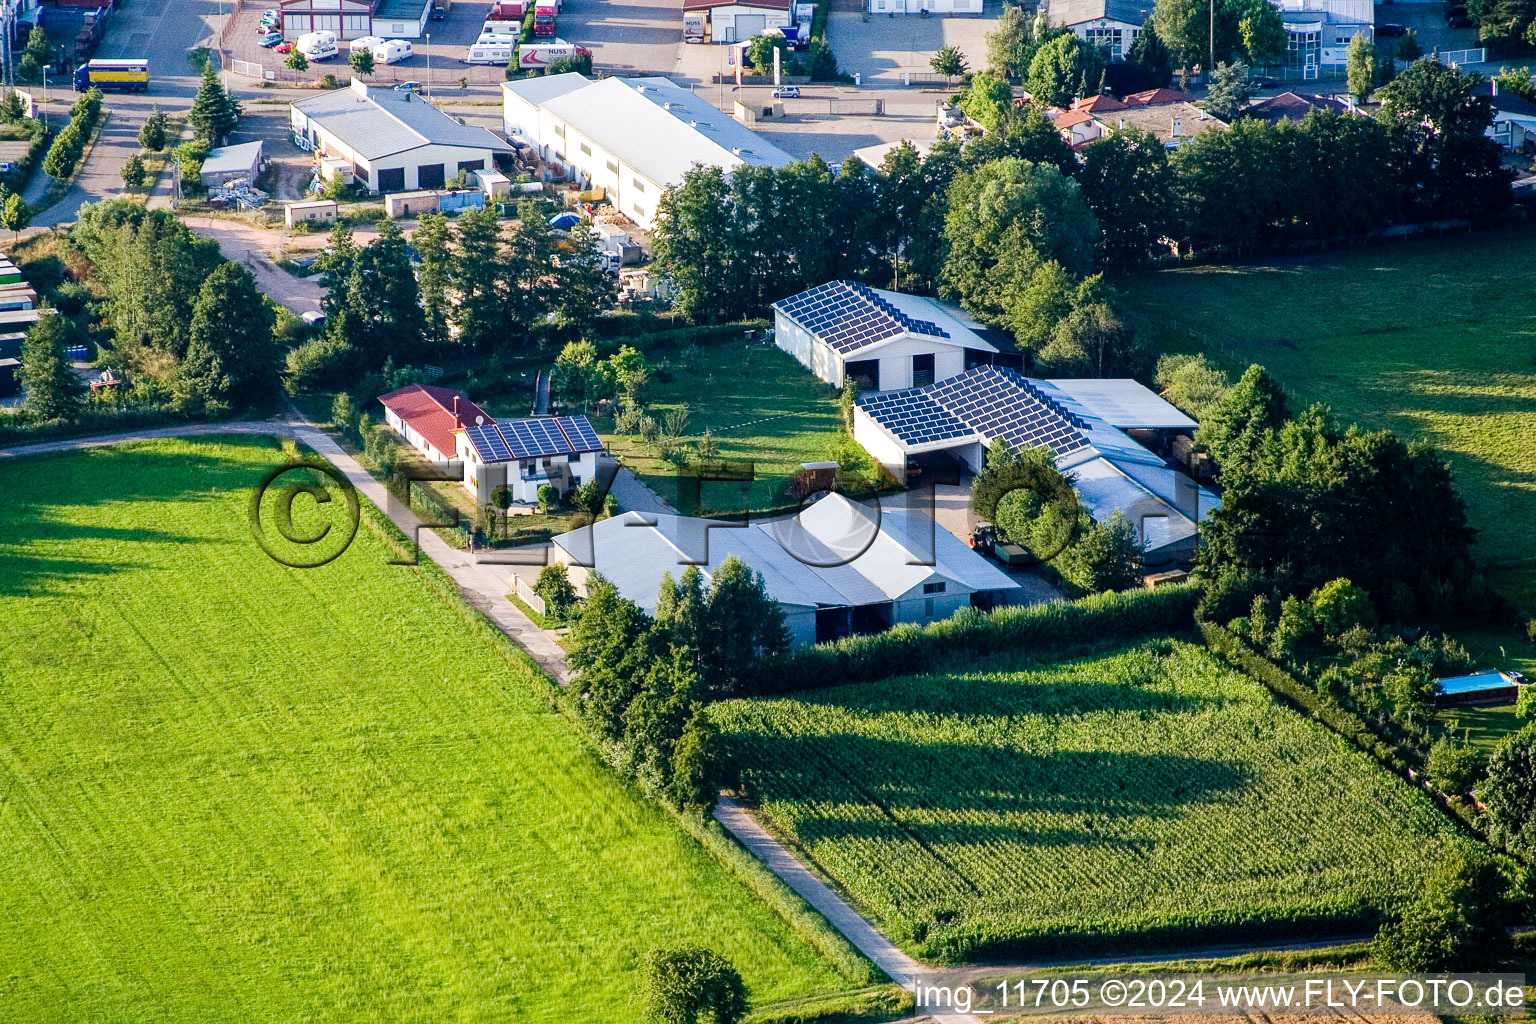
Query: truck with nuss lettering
pixel 113 75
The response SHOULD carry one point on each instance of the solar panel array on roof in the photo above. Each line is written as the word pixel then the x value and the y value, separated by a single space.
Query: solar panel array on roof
pixel 989 401
pixel 489 443
pixel 533 438
pixel 850 316
pixel 913 416
pixel 582 436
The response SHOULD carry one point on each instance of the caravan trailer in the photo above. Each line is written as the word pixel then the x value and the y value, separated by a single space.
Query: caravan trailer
pixel 491 52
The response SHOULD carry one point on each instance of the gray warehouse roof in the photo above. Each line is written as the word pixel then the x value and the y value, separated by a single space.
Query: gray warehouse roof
pixel 381 122
pixel 661 129
pixel 1075 12
pixel 232 159
pixel 542 88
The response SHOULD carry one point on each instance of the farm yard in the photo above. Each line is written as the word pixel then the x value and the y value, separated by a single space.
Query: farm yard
pixel 234 791
pixel 1115 802
pixel 1425 339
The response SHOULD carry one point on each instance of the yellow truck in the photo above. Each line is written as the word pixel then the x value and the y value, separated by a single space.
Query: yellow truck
pixel 110 75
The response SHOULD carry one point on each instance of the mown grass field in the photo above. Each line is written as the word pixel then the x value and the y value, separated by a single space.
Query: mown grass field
pixel 1132 799
pixel 1433 339
pixel 762 406
pixel 233 791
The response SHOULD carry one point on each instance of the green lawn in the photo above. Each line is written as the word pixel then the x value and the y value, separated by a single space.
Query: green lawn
pixel 761 405
pixel 1119 801
pixel 1432 339
pixel 233 791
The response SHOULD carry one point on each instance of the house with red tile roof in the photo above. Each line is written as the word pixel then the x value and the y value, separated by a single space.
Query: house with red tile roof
pixel 427 417
pixel 1157 98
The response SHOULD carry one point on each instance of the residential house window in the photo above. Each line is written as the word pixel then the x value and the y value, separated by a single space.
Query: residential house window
pixel 933 588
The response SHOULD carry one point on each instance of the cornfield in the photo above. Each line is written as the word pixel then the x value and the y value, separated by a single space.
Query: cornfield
pixel 1113 802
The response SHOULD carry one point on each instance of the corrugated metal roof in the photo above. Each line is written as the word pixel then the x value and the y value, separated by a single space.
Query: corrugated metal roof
pixel 543 88
pixel 381 122
pixel 661 129
pixel 831 555
pixel 1124 403
pixel 232 159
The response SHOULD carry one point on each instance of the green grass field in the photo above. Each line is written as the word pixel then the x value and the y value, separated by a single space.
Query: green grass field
pixel 1430 339
pixel 233 791
pixel 1119 801
pixel 761 405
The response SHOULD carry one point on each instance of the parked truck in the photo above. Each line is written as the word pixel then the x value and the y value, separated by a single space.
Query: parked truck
pixel 108 75
pixel 506 10
pixel 693 26
pixel 541 55
pixel 544 18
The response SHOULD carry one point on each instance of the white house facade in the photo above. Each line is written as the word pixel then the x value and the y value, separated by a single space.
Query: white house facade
pixel 392 141
pixel 881 340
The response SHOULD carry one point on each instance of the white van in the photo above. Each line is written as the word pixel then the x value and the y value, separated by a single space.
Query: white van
pixel 316 45
pixel 490 53
pixel 391 50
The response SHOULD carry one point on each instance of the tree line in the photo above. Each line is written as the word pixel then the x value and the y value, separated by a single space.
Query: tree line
pixel 1015 227
pixel 643 680
pixel 458 283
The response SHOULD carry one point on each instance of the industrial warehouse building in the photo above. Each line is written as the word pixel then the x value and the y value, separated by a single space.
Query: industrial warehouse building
pixel 736 21
pixel 354 19
pixel 839 567
pixel 880 340
pixel 632 137
pixel 1085 425
pixel 393 141
pixel 229 163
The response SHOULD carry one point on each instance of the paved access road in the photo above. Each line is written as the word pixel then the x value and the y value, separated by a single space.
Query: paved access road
pixel 164 31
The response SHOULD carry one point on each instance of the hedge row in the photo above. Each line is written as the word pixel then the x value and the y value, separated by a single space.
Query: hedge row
pixel 1045 629
pixel 1341 720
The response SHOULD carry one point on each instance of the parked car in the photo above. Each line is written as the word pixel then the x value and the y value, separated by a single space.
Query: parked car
pixel 1458 21
pixel 1391 30
pixel 1263 83
pixel 409 87
pixel 285 48
pixel 787 92
pixel 272 39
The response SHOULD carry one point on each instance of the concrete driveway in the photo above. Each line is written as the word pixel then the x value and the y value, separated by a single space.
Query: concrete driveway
pixel 879 49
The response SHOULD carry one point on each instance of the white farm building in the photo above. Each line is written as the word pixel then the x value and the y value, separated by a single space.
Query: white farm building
pixel 632 137
pixel 1085 425
pixel 839 567
pixel 392 141
pixel 881 340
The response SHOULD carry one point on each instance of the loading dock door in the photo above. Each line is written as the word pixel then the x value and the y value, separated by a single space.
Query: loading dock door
pixel 749 25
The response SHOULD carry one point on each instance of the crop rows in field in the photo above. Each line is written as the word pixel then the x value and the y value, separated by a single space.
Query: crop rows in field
pixel 1101 802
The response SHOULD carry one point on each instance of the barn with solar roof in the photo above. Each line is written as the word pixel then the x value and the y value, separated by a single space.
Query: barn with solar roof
pixel 882 340
pixel 1084 423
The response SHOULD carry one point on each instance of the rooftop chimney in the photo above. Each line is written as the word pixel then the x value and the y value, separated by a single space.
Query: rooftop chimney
pixel 456 421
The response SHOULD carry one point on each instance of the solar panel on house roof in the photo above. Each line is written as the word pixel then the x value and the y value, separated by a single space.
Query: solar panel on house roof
pixel 913 416
pixel 489 443
pixel 580 434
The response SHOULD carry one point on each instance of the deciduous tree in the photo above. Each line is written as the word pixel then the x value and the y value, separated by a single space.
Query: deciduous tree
pixel 54 391
pixel 1066 68
pixel 690 984
pixel 231 354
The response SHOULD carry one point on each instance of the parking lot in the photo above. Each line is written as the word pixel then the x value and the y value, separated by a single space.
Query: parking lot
pixel 438 59
pixel 1427 22
pixel 878 48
